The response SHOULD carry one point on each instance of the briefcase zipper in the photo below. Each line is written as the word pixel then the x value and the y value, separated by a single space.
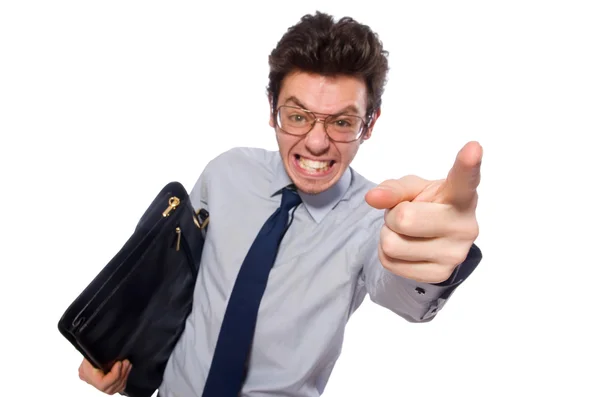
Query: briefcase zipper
pixel 178 244
pixel 173 203
pixel 186 250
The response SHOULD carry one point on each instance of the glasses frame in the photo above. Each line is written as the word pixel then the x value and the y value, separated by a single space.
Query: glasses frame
pixel 364 126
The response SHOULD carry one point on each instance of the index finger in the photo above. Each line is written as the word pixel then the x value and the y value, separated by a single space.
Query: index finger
pixel 460 187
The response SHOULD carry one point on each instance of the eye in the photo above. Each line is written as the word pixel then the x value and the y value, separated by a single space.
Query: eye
pixel 344 122
pixel 297 118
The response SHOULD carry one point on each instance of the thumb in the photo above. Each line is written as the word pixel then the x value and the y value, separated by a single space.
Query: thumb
pixel 393 191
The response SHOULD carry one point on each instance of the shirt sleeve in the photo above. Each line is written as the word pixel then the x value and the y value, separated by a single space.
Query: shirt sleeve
pixel 414 301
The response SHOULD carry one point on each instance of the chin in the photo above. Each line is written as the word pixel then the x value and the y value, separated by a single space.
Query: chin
pixel 313 177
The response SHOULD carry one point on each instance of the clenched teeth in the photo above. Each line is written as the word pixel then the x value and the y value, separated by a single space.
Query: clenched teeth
pixel 314 165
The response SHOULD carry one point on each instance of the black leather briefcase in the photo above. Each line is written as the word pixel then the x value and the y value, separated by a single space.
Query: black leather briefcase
pixel 137 306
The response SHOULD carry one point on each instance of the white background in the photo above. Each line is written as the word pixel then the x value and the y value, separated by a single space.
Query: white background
pixel 102 103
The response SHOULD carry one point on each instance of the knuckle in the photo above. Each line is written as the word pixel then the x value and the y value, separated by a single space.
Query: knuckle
pixel 468 231
pixel 387 242
pixel 455 256
pixel 405 216
pixel 446 275
pixel 411 178
pixel 475 230
pixel 388 183
pixel 441 273
pixel 385 262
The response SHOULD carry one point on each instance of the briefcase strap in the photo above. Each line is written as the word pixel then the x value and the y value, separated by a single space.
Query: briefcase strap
pixel 204 218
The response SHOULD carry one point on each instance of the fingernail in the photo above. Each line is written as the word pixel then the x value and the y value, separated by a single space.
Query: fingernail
pixel 383 187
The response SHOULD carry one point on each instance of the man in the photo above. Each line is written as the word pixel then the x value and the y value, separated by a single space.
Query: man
pixel 408 243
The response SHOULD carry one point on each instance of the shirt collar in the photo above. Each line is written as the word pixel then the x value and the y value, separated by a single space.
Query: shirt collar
pixel 318 205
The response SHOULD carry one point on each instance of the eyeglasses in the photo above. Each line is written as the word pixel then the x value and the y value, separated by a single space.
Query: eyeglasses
pixel 339 127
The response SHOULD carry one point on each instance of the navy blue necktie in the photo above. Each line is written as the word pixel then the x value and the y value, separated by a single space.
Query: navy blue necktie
pixel 227 370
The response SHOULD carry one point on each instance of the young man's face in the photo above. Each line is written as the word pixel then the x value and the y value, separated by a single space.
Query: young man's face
pixel 314 161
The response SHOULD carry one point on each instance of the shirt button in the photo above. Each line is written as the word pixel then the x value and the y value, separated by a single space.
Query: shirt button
pixel 420 291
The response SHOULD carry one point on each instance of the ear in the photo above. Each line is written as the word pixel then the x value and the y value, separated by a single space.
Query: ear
pixel 372 122
pixel 271 117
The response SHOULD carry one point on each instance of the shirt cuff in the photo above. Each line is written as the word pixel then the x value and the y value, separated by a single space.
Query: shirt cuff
pixel 438 294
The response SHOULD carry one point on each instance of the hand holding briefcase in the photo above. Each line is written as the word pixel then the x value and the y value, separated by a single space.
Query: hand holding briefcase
pixel 137 306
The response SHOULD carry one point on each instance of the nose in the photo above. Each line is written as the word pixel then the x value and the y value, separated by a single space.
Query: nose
pixel 317 141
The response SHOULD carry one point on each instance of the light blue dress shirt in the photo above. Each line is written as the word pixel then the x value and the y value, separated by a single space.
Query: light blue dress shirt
pixel 326 265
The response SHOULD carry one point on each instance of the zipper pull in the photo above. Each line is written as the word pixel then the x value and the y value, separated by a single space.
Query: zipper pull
pixel 178 245
pixel 173 203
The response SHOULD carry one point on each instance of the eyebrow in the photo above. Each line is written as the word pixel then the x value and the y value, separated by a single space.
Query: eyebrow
pixel 347 109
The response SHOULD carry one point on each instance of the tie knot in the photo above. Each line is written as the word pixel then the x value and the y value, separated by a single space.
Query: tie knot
pixel 290 199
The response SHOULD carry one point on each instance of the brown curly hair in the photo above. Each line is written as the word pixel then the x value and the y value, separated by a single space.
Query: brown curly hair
pixel 318 44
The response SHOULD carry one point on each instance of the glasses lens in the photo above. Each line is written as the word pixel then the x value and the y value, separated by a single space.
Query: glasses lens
pixel 344 128
pixel 294 120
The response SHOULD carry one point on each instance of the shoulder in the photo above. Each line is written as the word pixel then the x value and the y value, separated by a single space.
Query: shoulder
pixel 239 169
pixel 360 183
pixel 245 153
pixel 237 157
pixel 237 162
